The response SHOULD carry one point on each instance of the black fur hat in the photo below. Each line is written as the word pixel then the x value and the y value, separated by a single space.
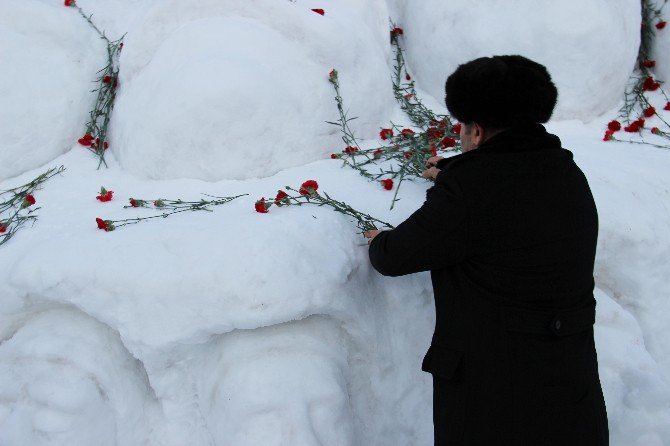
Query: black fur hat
pixel 500 92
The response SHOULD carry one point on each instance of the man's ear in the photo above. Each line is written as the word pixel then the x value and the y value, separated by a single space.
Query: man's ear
pixel 478 134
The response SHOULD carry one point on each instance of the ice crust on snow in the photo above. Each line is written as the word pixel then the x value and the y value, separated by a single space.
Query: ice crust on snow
pixel 45 82
pixel 235 328
pixel 589 47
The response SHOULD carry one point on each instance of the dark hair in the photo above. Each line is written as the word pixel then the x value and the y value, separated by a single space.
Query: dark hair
pixel 500 92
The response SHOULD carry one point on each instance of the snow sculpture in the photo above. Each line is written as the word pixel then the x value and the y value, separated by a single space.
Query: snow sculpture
pixel 193 103
pixel 72 382
pixel 255 395
pixel 589 47
pixel 45 89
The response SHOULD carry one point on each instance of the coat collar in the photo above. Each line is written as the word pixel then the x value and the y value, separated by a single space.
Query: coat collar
pixel 520 139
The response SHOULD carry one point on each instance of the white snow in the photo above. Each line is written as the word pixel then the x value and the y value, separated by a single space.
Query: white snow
pixel 588 46
pixel 238 328
pixel 195 104
pixel 50 57
pixel 660 48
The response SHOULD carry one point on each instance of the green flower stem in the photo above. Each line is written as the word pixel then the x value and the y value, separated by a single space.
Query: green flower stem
pixel 644 143
pixel 364 222
pixel 13 214
pixel 635 98
pixel 405 93
pixel 100 115
pixel 348 136
pixel 170 207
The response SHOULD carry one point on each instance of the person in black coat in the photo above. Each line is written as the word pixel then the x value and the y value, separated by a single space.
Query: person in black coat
pixel 509 235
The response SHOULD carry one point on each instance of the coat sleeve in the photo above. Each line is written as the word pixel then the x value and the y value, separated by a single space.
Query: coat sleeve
pixel 433 237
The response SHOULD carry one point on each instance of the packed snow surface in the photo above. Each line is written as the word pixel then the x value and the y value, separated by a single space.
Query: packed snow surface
pixel 589 47
pixel 237 328
pixel 196 103
pixel 49 59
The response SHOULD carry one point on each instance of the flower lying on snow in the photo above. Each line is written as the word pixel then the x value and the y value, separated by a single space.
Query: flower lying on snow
pixel 105 195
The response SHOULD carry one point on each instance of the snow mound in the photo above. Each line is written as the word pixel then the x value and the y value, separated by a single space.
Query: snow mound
pixel 193 103
pixel 45 92
pixel 589 47
pixel 288 335
pixel 73 383
pixel 237 328
pixel 660 51
pixel 637 399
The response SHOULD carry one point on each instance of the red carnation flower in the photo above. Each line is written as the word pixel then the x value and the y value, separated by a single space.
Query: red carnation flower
pixel 105 225
pixel 29 200
pixel 86 140
pixel 661 25
pixel 650 85
pixel 649 63
pixel 68 2
pixel 397 31
pixel 407 132
pixel 378 153
pixel 456 129
pixel 319 11
pixel 634 126
pixel 105 195
pixel 261 206
pixel 386 134
pixel 333 156
pixel 107 79
pixel 649 112
pixel 614 126
pixel 434 132
pixel 3 228
pixel 609 135
pixel 387 183
pixel 281 198
pixel 106 145
pixel 655 131
pixel 448 142
pixel 667 106
pixel 309 187
pixel 101 223
pixel 350 149
pixel 640 122
pixel 409 154
pixel 134 203
pixel 407 77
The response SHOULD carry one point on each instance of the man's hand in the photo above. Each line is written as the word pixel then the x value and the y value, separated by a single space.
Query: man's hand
pixel 371 234
pixel 431 168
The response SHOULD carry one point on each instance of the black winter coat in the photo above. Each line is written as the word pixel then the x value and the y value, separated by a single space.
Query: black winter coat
pixel 509 234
